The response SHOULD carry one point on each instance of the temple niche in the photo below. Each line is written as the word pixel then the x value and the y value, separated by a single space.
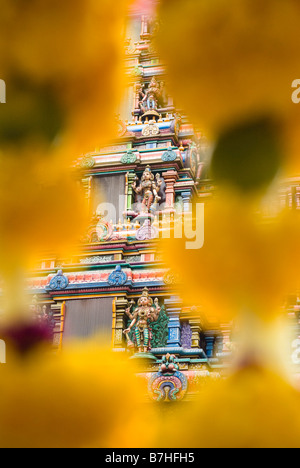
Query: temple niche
pixel 151 99
pixel 140 331
pixel 149 192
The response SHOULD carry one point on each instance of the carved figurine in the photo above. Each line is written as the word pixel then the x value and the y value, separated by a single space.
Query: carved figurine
pixel 148 188
pixel 149 98
pixel 169 364
pixel 141 317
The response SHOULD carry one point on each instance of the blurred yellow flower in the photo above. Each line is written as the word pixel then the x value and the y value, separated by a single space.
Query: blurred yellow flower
pixel 232 61
pixel 248 263
pixel 63 69
pixel 85 397
pixel 291 133
pixel 253 408
pixel 38 200
pixel 237 58
pixel 72 51
pixel 42 212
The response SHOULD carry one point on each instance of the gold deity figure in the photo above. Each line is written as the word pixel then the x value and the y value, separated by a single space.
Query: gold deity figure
pixel 142 316
pixel 148 188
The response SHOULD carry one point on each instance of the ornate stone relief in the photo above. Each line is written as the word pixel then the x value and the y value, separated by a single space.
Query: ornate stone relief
pixel 117 277
pixel 147 232
pixel 129 157
pixel 97 259
pixel 150 129
pixel 59 282
pixel 169 155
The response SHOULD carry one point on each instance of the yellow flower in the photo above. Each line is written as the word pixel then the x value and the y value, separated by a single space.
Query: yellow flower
pixel 230 60
pixel 72 51
pixel 247 262
pixel 59 103
pixel 63 68
pixel 291 138
pixel 38 199
pixel 253 408
pixel 233 62
pixel 85 397
pixel 43 213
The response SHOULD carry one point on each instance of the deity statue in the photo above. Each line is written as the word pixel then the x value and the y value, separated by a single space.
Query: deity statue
pixel 149 98
pixel 148 188
pixel 145 313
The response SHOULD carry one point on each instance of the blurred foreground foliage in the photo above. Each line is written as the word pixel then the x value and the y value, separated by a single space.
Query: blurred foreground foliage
pixel 230 65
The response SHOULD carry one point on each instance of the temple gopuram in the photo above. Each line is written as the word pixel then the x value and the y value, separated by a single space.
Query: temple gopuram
pixel 118 287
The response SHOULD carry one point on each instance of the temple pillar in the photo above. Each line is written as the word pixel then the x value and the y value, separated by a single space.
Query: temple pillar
pixel 173 309
pixel 186 199
pixel 210 344
pixel 196 332
pixel 170 178
pixel 87 187
pixel 130 177
pixel 120 304
pixel 137 90
pixel 226 330
pixel 58 310
pixel 145 31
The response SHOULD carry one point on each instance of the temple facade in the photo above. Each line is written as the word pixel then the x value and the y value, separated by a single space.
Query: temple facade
pixel 117 288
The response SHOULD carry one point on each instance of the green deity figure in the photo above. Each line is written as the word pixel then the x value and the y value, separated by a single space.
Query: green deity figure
pixel 141 317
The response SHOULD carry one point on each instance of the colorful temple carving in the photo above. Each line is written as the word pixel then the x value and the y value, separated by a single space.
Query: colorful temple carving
pixel 117 286
pixel 140 319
